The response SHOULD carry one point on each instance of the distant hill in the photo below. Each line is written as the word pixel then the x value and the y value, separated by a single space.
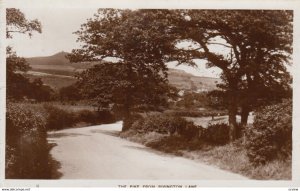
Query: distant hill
pixel 56 59
pixel 59 66
pixel 185 81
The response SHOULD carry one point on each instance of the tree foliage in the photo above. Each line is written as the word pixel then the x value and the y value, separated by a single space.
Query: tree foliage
pixel 134 72
pixel 251 47
pixel 271 135
pixel 16 22
pixel 27 150
pixel 16 82
pixel 70 93
pixel 19 86
pixel 256 47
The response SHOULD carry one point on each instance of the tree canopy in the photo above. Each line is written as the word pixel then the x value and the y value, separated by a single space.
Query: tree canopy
pixel 19 86
pixel 16 22
pixel 133 72
pixel 251 47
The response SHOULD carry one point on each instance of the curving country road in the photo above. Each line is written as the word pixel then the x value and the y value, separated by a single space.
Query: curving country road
pixel 97 153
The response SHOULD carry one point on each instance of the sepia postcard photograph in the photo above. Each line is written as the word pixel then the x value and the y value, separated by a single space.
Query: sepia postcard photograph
pixel 149 94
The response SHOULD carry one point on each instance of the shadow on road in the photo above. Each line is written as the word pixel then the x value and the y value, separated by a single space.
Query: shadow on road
pixel 59 135
pixel 148 149
pixel 110 132
pixel 54 164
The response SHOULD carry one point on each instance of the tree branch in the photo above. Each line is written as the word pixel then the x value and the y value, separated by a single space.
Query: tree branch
pixel 216 43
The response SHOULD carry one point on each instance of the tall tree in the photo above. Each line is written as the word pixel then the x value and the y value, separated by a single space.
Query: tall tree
pixel 17 84
pixel 256 47
pixel 16 22
pixel 136 73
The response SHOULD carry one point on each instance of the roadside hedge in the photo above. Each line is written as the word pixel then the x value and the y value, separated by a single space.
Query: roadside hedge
pixel 270 137
pixel 196 113
pixel 27 151
pixel 217 134
pixel 166 124
pixel 58 118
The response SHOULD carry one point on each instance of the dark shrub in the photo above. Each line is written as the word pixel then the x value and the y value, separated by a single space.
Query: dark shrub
pixel 174 144
pixel 129 121
pixel 58 118
pixel 27 152
pixel 69 93
pixel 118 111
pixel 270 137
pixel 216 134
pixel 105 116
pixel 87 116
pixel 196 113
pixel 166 124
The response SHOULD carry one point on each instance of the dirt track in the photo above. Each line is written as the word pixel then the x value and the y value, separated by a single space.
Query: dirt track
pixel 97 153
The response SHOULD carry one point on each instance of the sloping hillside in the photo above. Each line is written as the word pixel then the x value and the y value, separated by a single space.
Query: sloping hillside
pixel 59 65
pixel 185 81
pixel 56 59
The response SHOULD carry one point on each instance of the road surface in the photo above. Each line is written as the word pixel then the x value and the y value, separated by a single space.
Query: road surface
pixel 96 152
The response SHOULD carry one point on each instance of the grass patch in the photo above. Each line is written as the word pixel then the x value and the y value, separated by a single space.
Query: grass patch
pixel 233 157
pixel 54 82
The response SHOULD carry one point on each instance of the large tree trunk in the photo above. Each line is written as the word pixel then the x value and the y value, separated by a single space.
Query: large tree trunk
pixel 232 111
pixel 244 115
pixel 232 108
pixel 127 120
pixel 244 120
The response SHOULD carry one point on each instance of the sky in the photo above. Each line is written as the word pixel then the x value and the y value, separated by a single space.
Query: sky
pixel 60 18
pixel 58 25
pixel 57 35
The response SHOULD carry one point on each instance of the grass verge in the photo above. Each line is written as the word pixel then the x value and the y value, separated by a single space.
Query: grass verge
pixel 231 157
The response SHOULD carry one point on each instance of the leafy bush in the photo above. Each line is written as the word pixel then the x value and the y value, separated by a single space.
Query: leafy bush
pixel 58 118
pixel 27 151
pixel 196 113
pixel 175 144
pixel 216 133
pixel 129 121
pixel 166 124
pixel 87 116
pixel 105 116
pixel 69 93
pixel 270 137
pixel 95 117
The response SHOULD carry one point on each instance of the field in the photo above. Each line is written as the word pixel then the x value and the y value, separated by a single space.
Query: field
pixel 186 81
pixel 54 69
pixel 54 81
pixel 74 108
pixel 58 66
pixel 205 121
pixel 67 70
